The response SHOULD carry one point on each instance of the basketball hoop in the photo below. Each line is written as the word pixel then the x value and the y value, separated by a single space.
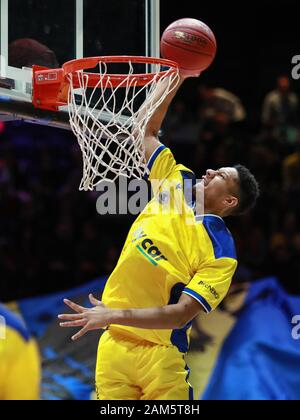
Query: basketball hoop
pixel 103 109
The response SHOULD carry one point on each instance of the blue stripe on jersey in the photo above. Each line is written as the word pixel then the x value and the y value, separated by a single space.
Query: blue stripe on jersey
pixel 191 394
pixel 199 298
pixel 154 156
pixel 220 237
pixel 189 180
pixel 179 337
pixel 14 322
pixel 191 391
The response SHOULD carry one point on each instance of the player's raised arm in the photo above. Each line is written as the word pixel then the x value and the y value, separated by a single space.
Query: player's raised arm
pixel 151 141
pixel 193 55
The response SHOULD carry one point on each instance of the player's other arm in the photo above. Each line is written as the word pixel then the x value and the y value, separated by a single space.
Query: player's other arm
pixel 164 318
pixel 151 141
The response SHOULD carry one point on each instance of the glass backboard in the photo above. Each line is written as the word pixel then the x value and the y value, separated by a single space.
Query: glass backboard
pixel 51 32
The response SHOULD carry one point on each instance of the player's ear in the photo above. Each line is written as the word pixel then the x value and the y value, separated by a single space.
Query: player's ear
pixel 231 201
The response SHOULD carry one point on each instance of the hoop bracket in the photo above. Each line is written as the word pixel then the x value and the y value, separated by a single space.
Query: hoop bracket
pixel 50 88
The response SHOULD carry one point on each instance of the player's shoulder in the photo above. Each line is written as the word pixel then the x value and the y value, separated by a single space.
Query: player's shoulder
pixel 13 322
pixel 185 177
pixel 160 151
pixel 185 172
pixel 163 164
pixel 220 237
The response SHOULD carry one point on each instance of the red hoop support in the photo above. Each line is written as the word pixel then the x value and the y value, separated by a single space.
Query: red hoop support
pixel 51 86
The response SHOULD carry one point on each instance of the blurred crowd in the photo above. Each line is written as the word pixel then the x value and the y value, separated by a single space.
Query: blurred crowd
pixel 52 238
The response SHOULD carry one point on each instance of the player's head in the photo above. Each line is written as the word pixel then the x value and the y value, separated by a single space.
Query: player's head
pixel 229 191
pixel 283 84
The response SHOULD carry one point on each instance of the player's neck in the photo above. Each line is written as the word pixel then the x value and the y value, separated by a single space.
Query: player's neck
pixel 213 213
pixel 209 211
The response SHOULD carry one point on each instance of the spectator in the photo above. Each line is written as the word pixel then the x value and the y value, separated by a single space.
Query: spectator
pixel 291 169
pixel 216 101
pixel 280 110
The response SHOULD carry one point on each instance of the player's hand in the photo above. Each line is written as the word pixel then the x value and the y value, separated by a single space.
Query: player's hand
pixel 87 318
pixel 184 74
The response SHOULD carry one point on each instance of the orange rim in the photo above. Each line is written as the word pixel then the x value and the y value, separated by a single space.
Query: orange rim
pixel 73 66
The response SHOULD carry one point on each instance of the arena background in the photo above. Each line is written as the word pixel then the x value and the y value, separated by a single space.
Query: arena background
pixel 52 239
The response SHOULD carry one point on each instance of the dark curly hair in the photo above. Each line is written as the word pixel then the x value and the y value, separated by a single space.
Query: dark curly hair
pixel 248 190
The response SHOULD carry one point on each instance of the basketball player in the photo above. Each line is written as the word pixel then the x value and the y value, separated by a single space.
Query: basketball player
pixel 19 360
pixel 169 271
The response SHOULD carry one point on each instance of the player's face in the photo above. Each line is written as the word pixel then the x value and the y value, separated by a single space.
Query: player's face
pixel 220 190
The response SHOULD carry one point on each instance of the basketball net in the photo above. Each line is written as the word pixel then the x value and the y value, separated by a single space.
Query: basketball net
pixel 114 146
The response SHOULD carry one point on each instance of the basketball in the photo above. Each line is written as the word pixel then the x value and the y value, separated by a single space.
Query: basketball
pixel 190 43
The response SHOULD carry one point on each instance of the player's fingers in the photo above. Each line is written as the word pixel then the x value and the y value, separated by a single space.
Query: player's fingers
pixel 74 306
pixel 80 333
pixel 189 73
pixel 70 317
pixel 78 323
pixel 93 300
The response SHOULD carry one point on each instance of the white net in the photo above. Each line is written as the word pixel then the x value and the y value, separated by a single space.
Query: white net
pixel 109 119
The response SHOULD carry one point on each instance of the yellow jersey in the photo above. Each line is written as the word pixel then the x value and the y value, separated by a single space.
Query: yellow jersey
pixel 165 254
pixel 19 360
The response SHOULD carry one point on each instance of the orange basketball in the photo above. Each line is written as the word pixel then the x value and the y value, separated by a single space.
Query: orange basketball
pixel 190 43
